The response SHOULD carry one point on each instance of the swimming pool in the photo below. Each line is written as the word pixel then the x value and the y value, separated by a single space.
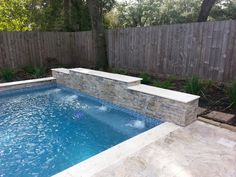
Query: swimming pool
pixel 46 129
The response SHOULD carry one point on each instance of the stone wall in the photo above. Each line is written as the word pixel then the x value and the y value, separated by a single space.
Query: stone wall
pixel 126 91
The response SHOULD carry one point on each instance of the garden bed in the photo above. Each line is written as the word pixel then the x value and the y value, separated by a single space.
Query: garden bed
pixel 9 75
pixel 214 95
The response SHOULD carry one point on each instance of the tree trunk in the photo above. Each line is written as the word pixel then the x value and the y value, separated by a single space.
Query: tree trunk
pixel 67 15
pixel 205 10
pixel 98 34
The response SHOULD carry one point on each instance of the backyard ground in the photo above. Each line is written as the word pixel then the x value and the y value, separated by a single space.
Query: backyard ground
pixel 186 152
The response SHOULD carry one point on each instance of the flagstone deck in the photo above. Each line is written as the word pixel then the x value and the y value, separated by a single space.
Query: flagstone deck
pixel 198 150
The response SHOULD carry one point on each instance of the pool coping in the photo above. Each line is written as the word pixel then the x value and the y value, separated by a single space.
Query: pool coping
pixel 164 93
pixel 116 153
pixel 138 87
pixel 26 83
pixel 106 75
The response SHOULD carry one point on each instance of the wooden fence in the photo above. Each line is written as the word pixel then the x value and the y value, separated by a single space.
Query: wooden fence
pixel 19 49
pixel 207 50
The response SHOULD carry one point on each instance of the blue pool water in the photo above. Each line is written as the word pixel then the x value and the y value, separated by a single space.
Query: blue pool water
pixel 47 129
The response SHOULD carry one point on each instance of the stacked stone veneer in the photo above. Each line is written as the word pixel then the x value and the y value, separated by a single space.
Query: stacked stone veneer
pixel 177 107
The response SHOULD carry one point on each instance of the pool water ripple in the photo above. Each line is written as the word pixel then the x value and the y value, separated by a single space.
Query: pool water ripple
pixel 43 132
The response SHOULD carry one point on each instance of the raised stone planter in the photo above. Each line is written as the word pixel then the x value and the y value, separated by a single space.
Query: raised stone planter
pixel 126 91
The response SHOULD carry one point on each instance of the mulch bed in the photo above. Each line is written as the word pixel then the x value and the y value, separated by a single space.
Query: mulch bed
pixel 21 75
pixel 213 98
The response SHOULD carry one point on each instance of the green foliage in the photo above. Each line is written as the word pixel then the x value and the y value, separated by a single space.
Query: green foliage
pixel 172 78
pixel 39 72
pixel 194 86
pixel 35 72
pixel 107 5
pixel 120 71
pixel 224 10
pixel 208 83
pixel 29 69
pixel 14 15
pixel 157 12
pixel 146 78
pixel 232 93
pixel 7 74
pixel 45 15
pixel 166 84
pixel 48 15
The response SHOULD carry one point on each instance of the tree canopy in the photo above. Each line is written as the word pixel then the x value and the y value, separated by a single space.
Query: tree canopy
pixel 14 15
pixel 135 13
pixel 47 15
pixel 73 15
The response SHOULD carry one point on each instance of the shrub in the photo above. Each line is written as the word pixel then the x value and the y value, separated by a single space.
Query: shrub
pixel 208 83
pixel 29 69
pixel 39 72
pixel 232 93
pixel 120 71
pixel 194 86
pixel 36 72
pixel 162 84
pixel 7 74
pixel 146 78
pixel 172 78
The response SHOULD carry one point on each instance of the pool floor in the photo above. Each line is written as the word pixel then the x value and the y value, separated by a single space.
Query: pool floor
pixel 46 130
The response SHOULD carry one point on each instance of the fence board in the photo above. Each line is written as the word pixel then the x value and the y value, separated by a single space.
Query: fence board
pixel 207 50
pixel 18 49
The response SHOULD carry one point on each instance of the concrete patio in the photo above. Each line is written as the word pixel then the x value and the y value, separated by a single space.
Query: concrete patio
pixel 198 150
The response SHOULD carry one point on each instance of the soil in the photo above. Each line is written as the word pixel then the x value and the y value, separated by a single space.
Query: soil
pixel 21 75
pixel 213 98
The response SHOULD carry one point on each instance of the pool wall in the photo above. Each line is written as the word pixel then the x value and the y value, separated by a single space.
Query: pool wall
pixel 177 107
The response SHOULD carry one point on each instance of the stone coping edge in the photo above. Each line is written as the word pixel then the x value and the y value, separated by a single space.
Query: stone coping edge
pixel 107 75
pixel 146 89
pixel 164 93
pixel 62 70
pixel 25 83
pixel 112 155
